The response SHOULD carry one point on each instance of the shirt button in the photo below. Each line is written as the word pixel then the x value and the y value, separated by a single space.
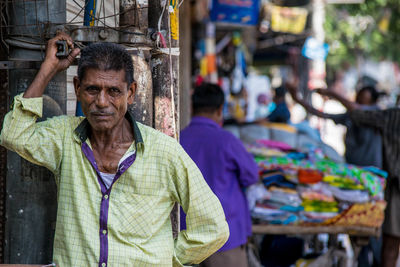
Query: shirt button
pixel 106 196
pixel 104 232
pixel 103 264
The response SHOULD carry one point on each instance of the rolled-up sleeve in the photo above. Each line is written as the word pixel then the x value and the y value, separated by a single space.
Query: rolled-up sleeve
pixel 39 143
pixel 371 118
pixel 207 229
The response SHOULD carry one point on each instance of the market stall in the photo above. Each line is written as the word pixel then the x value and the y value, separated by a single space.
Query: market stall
pixel 303 191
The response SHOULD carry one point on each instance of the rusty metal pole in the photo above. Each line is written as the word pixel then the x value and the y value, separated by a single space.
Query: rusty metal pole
pixel 165 72
pixel 31 198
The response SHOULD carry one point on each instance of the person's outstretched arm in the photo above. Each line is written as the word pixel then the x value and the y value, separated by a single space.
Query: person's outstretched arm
pixel 349 105
pixel 292 88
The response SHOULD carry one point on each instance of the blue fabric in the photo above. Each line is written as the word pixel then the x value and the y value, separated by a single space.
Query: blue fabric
pixel 276 177
pixel 280 114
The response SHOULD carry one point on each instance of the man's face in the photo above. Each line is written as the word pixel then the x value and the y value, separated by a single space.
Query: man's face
pixel 364 98
pixel 104 97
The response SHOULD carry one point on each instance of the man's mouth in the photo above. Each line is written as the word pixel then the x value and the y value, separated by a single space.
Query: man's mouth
pixel 101 114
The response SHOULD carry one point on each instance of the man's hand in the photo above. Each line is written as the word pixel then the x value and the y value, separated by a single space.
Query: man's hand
pixel 51 65
pixel 323 92
pixel 51 61
pixel 291 86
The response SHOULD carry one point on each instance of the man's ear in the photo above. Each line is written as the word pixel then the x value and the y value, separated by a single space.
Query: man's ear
pixel 77 84
pixel 131 93
pixel 219 114
pixel 220 109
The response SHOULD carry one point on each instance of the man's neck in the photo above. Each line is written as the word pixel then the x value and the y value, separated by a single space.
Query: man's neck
pixel 211 116
pixel 121 134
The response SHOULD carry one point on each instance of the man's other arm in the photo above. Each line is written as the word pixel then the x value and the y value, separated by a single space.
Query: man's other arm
pixel 207 229
pixel 244 161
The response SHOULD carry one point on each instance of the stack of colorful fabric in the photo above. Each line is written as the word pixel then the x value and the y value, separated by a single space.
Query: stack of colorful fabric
pixel 309 188
pixel 281 204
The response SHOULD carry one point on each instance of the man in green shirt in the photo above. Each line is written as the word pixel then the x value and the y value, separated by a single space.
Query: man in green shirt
pixel 117 180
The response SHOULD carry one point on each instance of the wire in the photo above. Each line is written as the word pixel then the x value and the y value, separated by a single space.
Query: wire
pixel 171 77
pixel 77 15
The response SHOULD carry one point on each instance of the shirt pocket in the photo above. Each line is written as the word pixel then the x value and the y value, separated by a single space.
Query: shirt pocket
pixel 138 216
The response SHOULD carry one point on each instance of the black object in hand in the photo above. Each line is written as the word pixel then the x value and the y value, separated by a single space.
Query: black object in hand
pixel 62 49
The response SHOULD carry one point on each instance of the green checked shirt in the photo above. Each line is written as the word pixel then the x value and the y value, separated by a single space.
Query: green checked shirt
pixel 129 223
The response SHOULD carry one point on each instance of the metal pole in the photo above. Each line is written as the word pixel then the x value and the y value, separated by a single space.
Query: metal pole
pixel 31 198
pixel 134 16
pixel 88 20
pixel 165 73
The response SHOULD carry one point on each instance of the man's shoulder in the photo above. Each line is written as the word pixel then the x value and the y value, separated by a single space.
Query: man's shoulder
pixel 152 136
pixel 66 120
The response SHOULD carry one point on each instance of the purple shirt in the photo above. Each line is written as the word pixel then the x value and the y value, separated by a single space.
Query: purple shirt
pixel 228 168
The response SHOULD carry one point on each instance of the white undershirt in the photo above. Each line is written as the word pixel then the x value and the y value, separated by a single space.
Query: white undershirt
pixel 108 178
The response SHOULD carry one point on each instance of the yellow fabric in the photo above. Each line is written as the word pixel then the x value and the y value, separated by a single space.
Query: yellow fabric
pixel 139 226
pixel 280 126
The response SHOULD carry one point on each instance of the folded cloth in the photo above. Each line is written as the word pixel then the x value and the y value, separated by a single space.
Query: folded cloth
pixel 320 206
pixel 342 182
pixel 353 196
pixel 376 171
pixel 277 178
pixel 309 176
pixel 275 144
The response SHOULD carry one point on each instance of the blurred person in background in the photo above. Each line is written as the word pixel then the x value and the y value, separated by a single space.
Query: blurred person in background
pixel 363 144
pixel 373 139
pixel 227 168
pixel 280 113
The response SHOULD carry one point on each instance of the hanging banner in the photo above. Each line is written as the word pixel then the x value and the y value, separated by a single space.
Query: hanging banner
pixel 243 12
pixel 288 19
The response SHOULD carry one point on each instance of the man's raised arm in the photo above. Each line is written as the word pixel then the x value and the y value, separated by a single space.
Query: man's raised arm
pixel 40 143
pixel 51 65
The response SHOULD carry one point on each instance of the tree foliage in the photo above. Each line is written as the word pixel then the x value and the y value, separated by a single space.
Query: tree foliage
pixel 368 30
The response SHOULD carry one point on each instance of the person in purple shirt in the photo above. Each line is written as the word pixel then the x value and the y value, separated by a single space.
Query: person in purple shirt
pixel 226 166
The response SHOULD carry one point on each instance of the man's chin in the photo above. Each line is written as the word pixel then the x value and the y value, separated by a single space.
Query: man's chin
pixel 100 125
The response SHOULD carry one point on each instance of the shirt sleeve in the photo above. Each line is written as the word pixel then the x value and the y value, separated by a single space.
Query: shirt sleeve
pixel 372 118
pixel 340 118
pixel 280 114
pixel 39 143
pixel 206 226
pixel 244 161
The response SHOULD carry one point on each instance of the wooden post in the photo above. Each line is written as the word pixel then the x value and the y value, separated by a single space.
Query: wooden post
pixel 165 72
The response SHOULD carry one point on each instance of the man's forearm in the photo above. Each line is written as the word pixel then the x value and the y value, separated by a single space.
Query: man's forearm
pixel 51 65
pixel 349 105
pixel 42 79
pixel 310 109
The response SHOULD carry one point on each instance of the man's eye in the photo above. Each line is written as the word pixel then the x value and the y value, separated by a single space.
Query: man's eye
pixel 114 90
pixel 92 89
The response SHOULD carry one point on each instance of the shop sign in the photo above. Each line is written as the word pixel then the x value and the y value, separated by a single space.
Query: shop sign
pixel 288 19
pixel 314 49
pixel 243 12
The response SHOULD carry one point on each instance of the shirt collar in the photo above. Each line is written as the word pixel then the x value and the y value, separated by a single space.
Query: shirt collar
pixel 204 120
pixel 83 130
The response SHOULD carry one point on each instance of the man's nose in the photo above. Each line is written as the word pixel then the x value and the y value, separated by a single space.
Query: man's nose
pixel 102 100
